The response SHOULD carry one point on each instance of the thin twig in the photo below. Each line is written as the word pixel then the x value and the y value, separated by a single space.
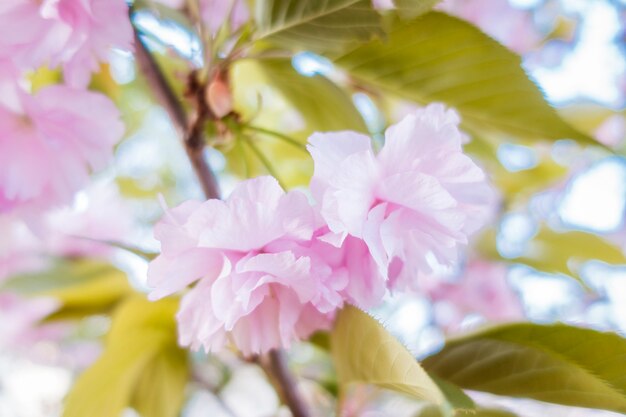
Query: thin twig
pixel 192 132
pixel 277 369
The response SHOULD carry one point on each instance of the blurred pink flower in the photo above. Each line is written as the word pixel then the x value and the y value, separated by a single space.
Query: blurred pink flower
pixel 19 321
pixel 383 4
pixel 217 13
pixel 99 215
pixel 257 286
pixel 49 145
pixel 612 132
pixel 30 32
pixel 96 27
pixel 77 34
pixel 20 250
pixel 414 203
pixel 512 27
pixel 481 289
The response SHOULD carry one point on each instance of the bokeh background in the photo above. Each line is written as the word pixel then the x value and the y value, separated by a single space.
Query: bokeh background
pixel 576 52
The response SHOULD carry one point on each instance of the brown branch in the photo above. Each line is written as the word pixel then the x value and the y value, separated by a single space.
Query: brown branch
pixel 192 132
pixel 277 369
pixel 275 362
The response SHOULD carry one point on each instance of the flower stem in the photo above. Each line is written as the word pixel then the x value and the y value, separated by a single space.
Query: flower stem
pixel 190 130
pixel 277 135
pixel 277 369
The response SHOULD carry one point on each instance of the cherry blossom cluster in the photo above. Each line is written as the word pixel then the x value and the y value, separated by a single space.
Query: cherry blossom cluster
pixel 270 267
pixel 51 139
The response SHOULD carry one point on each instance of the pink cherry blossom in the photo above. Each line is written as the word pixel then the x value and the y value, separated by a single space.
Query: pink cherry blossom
pixel 260 285
pixel 612 131
pixel 98 216
pixel 77 34
pixel 217 13
pixel 414 203
pixel 97 26
pixel 19 319
pixel 481 289
pixel 30 32
pixel 51 142
pixel 20 249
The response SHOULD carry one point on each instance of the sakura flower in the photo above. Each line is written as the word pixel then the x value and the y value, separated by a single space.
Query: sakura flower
pixel 49 144
pixel 20 249
pixel 77 34
pixel 96 27
pixel 98 215
pixel 481 289
pixel 30 33
pixel 259 283
pixel 19 319
pixel 414 203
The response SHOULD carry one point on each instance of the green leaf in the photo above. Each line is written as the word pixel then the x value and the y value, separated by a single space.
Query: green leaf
pixel 556 363
pixel 414 8
pixel 84 287
pixel 454 395
pixel 272 95
pixel 559 252
pixel 141 366
pixel 364 352
pixel 317 25
pixel 164 380
pixel 441 58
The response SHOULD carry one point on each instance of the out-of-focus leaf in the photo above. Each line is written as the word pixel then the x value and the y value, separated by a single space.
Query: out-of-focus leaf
pixel 160 389
pixel 291 104
pixel 314 25
pixel 455 395
pixel 414 8
pixel 142 366
pixel 103 82
pixel 163 12
pixel 437 57
pixel 364 352
pixel 61 274
pixel 556 252
pixel 94 296
pixel 43 77
pixel 83 287
pixel 556 363
pixel 518 186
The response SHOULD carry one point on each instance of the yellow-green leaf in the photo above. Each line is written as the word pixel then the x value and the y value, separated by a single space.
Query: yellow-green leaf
pixel 556 363
pixel 559 252
pixel 158 392
pixel 364 352
pixel 414 8
pixel 95 296
pixel 272 95
pixel 317 25
pixel 437 57
pixel 83 286
pixel 141 366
